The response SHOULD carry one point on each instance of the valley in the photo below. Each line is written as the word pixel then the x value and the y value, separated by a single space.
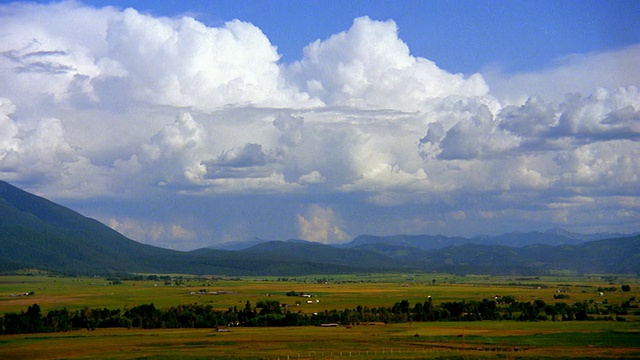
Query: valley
pixel 599 337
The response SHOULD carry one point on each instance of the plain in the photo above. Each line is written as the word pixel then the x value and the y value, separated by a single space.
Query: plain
pixel 502 339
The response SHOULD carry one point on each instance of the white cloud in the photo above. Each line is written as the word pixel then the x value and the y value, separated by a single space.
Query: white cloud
pixel 246 156
pixel 182 62
pixel 369 67
pixel 41 154
pixel 54 46
pixel 577 73
pixel 136 106
pixel 476 137
pixel 136 230
pixel 314 177
pixel 179 232
pixel 168 235
pixel 321 225
pixel 8 128
pixel 90 57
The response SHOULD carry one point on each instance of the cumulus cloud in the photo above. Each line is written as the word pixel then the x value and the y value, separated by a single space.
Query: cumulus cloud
pixel 246 156
pixel 476 137
pixel 313 177
pixel 135 106
pixel 8 128
pixel 170 157
pixel 201 67
pixel 321 225
pixel 41 154
pixel 121 58
pixel 369 67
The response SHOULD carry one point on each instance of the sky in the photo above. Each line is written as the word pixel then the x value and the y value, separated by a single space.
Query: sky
pixel 186 124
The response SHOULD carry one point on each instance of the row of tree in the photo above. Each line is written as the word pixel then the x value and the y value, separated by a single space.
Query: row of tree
pixel 272 313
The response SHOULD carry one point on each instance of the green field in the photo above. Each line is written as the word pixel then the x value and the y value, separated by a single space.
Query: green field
pixel 338 292
pixel 435 340
pixel 481 339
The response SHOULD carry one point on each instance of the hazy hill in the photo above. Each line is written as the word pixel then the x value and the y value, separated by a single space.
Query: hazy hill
pixel 238 245
pixel 37 233
pixel 553 237
pixel 415 241
pixel 620 255
pixel 298 250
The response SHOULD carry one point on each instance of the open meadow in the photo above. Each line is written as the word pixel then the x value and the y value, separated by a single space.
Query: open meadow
pixel 369 340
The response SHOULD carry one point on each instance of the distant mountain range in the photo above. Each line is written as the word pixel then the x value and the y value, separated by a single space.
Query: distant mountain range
pixel 554 237
pixel 37 233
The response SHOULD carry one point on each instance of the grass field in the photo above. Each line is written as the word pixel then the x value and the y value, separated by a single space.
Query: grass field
pixel 338 293
pixel 398 341
pixel 486 339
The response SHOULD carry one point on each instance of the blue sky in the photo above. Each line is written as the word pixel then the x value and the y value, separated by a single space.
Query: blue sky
pixel 460 36
pixel 182 127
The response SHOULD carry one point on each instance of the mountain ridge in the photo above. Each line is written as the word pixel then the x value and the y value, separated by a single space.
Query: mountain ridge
pixel 37 233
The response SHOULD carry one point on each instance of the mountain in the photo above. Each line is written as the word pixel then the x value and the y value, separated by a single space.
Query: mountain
pixel 589 237
pixel 620 255
pixel 237 245
pixel 305 251
pixel 553 237
pixel 423 242
pixel 37 233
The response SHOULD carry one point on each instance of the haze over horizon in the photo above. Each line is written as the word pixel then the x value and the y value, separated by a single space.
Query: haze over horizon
pixel 187 124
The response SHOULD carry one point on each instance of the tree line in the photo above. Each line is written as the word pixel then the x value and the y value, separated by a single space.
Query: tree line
pixel 273 313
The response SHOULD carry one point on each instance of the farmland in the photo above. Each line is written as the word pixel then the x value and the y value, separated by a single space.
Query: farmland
pixel 507 338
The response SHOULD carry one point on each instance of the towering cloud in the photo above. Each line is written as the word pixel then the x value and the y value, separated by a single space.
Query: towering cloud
pixel 369 67
pixel 182 62
pixel 321 225
pixel 123 58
